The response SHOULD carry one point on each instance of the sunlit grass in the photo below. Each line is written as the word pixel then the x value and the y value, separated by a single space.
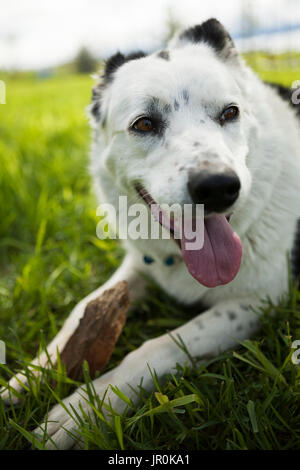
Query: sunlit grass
pixel 282 68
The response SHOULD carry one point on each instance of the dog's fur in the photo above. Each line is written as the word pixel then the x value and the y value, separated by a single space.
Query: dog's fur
pixel 187 86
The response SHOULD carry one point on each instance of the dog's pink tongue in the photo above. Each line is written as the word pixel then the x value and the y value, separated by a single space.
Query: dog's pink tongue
pixel 219 259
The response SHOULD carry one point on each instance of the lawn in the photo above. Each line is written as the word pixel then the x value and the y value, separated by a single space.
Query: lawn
pixel 50 258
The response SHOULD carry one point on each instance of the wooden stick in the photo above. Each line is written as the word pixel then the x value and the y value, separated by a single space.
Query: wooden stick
pixel 97 333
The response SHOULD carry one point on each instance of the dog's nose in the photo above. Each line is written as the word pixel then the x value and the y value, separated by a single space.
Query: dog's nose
pixel 217 191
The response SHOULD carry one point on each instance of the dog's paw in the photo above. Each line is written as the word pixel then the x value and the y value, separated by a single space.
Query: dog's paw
pixel 60 427
pixel 11 395
pixel 58 431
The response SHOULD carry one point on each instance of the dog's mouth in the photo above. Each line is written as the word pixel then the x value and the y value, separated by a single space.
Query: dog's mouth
pixel 218 261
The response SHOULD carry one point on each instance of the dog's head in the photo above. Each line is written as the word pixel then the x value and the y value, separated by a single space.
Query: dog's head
pixel 175 125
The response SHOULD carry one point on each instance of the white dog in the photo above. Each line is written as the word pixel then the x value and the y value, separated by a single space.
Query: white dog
pixel 193 124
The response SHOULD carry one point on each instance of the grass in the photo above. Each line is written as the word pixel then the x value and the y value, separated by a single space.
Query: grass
pixel 50 258
pixel 281 68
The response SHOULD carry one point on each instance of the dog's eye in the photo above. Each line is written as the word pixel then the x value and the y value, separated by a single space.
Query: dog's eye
pixel 229 114
pixel 143 124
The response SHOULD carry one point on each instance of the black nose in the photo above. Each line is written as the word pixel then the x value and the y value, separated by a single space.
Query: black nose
pixel 217 191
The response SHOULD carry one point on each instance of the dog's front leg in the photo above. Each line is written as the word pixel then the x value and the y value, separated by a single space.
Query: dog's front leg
pixel 206 335
pixel 126 272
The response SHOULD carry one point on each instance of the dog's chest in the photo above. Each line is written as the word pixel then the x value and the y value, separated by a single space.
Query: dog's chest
pixel 161 260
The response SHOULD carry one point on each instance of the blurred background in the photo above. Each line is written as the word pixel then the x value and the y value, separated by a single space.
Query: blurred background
pixel 66 36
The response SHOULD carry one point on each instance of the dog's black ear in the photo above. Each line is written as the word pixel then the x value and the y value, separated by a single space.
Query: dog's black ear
pixel 110 66
pixel 213 33
pixel 116 61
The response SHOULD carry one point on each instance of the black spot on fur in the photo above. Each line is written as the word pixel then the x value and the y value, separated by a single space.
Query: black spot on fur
pixel 211 32
pixel 253 324
pixel 156 107
pixel 153 106
pixel 295 258
pixel 244 307
pixel 176 105
pixel 286 94
pixel 217 313
pixel 239 328
pixel 185 96
pixel 167 108
pixel 231 315
pixel 164 55
pixel 96 110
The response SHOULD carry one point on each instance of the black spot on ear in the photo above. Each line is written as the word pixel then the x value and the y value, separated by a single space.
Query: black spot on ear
pixel 211 32
pixel 116 61
pixel 112 64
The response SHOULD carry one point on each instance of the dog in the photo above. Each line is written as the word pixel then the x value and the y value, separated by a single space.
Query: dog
pixel 192 124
